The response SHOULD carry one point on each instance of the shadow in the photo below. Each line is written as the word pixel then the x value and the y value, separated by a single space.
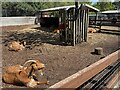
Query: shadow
pixel 17 84
pixel 102 57
pixel 41 35
pixel 111 24
pixel 111 30
pixel 93 53
pixel 46 29
pixel 106 31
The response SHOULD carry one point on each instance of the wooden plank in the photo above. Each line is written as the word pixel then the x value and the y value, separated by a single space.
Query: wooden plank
pixel 64 18
pixel 84 75
pixel 96 17
pixel 76 24
pixel 69 29
pixel 60 15
pixel 71 26
pixel 74 30
pixel 87 22
pixel 83 24
pixel 79 28
pixel 81 21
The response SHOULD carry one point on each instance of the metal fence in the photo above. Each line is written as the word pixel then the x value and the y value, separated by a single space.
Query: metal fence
pixel 11 21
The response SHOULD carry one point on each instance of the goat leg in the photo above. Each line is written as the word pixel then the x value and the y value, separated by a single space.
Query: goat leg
pixel 34 77
pixel 46 82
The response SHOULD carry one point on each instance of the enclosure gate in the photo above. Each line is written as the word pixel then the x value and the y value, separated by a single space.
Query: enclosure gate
pixel 76 25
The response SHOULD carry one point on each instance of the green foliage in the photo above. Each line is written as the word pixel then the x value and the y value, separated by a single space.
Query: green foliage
pixel 103 6
pixel 30 8
pixel 87 2
pixel 24 9
pixel 116 4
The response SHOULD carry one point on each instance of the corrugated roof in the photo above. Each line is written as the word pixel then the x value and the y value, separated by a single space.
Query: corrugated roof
pixel 58 8
pixel 111 11
pixel 91 7
pixel 68 7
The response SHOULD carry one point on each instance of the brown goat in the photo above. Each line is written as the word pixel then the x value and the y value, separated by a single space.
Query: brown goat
pixel 61 26
pixel 15 46
pixel 23 75
pixel 91 30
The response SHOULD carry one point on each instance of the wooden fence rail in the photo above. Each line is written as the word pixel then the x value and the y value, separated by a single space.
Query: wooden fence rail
pixel 77 79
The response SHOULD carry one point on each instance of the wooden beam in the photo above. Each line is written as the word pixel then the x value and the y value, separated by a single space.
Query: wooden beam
pixel 87 73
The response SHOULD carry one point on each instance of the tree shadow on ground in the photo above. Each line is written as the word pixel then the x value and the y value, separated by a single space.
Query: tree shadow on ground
pixel 35 38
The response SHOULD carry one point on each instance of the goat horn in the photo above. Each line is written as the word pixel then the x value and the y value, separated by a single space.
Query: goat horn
pixel 29 62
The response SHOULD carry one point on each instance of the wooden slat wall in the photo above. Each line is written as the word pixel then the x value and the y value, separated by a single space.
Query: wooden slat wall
pixel 76 32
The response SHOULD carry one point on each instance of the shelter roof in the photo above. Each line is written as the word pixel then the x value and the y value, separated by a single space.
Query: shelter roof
pixel 68 7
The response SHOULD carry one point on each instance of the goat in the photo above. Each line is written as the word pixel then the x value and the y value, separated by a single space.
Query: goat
pixel 56 31
pixel 61 26
pixel 91 30
pixel 19 74
pixel 15 46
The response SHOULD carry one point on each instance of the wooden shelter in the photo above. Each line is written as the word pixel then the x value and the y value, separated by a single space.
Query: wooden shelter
pixel 75 20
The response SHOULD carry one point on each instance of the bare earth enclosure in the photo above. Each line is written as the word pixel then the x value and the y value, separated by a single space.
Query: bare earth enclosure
pixel 60 60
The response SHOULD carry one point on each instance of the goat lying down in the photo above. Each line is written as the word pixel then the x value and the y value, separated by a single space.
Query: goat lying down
pixel 15 46
pixel 61 26
pixel 24 74
pixel 92 30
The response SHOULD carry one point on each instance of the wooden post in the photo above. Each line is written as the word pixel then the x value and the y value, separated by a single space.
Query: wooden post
pixel 81 21
pixel 99 51
pixel 75 14
pixel 96 18
pixel 65 30
pixel 100 25
pixel 86 24
pixel 76 7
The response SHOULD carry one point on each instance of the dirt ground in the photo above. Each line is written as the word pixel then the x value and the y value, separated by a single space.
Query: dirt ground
pixel 60 61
